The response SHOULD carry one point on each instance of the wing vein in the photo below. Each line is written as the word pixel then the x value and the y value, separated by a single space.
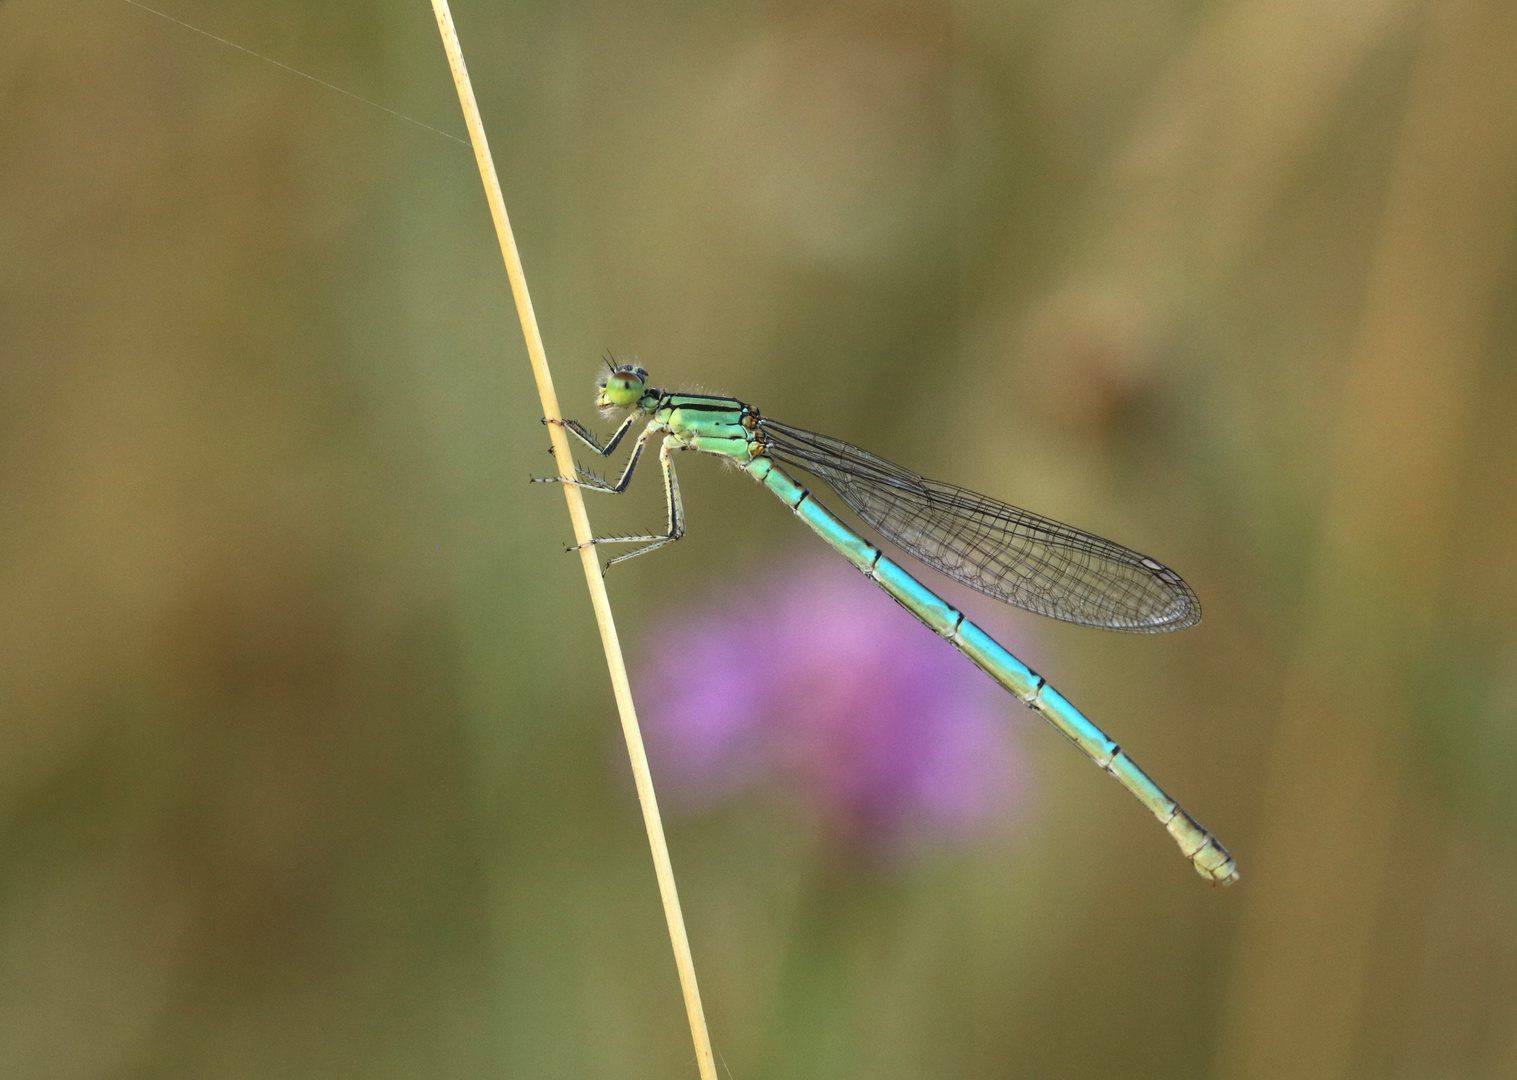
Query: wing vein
pixel 1000 550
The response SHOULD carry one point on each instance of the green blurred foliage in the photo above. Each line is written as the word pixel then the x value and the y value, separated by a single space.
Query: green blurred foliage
pixel 308 765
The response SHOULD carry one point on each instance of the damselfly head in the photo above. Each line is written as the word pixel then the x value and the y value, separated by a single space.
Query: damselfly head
pixel 621 387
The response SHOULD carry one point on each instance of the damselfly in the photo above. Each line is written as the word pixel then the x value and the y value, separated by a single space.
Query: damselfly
pixel 996 549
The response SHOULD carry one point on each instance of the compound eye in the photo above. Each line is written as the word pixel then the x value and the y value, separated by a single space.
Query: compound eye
pixel 624 387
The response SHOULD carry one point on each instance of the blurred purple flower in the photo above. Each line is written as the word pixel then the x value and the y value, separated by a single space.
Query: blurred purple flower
pixel 816 679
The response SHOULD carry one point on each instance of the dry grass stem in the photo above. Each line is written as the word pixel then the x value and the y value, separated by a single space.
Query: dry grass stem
pixel 588 557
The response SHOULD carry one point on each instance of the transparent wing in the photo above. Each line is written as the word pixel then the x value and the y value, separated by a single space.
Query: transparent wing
pixel 999 550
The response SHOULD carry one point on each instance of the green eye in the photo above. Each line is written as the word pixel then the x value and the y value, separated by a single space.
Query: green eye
pixel 623 387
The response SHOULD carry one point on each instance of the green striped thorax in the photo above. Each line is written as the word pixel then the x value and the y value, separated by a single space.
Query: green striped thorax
pixel 714 425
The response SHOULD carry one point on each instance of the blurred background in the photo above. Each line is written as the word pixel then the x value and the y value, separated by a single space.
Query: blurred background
pixel 308 760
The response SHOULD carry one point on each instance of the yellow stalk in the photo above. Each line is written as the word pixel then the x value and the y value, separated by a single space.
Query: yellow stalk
pixel 588 557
